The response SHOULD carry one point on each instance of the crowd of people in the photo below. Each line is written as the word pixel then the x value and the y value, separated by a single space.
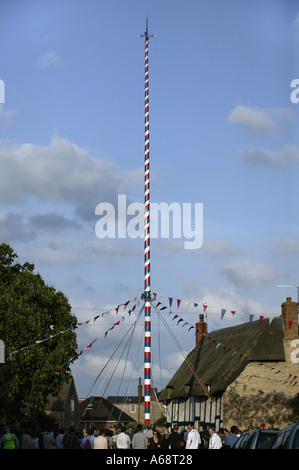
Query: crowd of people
pixel 120 438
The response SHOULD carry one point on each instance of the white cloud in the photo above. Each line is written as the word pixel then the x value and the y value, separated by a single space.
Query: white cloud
pixel 13 228
pixel 284 245
pixel 6 116
pixel 268 121
pixel 249 273
pixel 216 247
pixel 48 59
pixel 288 156
pixel 62 172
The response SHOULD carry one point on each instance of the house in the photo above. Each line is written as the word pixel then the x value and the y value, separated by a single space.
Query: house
pixel 134 405
pixel 63 409
pixel 250 357
pixel 97 412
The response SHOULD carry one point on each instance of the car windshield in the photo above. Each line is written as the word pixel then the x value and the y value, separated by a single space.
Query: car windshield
pixel 265 440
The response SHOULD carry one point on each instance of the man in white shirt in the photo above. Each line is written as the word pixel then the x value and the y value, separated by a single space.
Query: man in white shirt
pixel 193 439
pixel 123 441
pixel 215 440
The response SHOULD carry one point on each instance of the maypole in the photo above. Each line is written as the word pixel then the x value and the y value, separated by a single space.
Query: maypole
pixel 147 263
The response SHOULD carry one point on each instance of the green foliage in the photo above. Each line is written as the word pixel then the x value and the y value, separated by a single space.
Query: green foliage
pixel 30 311
pixel 248 411
pixel 294 407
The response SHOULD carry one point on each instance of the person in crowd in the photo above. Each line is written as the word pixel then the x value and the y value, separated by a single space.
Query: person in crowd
pixel 215 440
pixel 140 439
pixel 59 439
pixel 204 436
pixel 148 431
pixel 101 441
pixel 111 443
pixel 175 439
pixel 122 440
pixel 130 432
pixel 193 439
pixel 221 433
pixel 48 440
pixel 232 437
pixel 185 433
pixel 88 441
pixel 164 434
pixel 155 441
pixel 70 440
pixel 26 441
pixel 9 440
pixel 35 440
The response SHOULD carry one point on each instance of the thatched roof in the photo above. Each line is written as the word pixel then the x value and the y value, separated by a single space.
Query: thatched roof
pixel 219 366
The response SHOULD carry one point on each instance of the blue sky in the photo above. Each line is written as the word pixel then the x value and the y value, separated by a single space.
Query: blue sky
pixel 223 133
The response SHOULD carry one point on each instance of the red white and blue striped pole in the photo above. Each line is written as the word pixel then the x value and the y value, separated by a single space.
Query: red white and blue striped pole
pixel 147 263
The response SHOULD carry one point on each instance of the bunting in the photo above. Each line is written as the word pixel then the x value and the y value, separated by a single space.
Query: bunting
pixel 96 339
pixel 30 346
pixel 222 311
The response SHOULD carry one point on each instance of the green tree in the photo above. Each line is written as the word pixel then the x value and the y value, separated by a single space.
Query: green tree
pixel 31 311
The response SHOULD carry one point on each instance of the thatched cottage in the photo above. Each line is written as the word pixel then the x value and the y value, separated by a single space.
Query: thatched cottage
pixel 250 357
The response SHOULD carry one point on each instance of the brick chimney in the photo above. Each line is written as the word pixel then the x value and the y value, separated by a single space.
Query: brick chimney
pixel 201 327
pixel 289 315
pixel 139 388
pixel 154 392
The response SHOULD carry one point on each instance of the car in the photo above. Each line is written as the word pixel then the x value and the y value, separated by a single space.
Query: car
pixel 287 438
pixel 256 439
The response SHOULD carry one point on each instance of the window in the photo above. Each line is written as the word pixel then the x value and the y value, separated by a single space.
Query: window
pixel 282 440
pixel 295 444
pixel 244 441
pixel 72 405
pixel 239 442
pixel 265 440
pixel 132 408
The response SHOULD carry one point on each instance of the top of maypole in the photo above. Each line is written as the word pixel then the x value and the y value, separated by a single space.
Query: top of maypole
pixel 146 35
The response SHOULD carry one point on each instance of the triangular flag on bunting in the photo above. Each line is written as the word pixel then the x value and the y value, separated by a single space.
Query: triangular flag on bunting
pixel 170 301
pixel 191 328
pixel 251 318
pixel 126 304
pixel 181 319
pixel 222 313
pixel 195 304
pixel 261 318
pixel 178 302
pixel 176 316
pixel 117 308
pixel 159 303
pixel 163 308
pixel 233 311
pixel 155 295
pixel 204 307
pixel 187 305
